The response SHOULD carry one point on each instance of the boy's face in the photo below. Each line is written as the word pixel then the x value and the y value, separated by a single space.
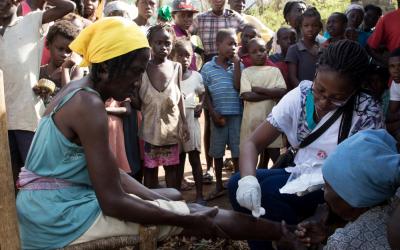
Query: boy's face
pixel 286 38
pixel 183 19
pixel 59 50
pixel 295 13
pixel 247 35
pixel 237 5
pixel 355 18
pixel 310 27
pixel 7 9
pixel 371 17
pixel 227 48
pixel 394 68
pixel 258 52
pixel 217 5
pixel 146 8
pixel 90 7
pixel 335 26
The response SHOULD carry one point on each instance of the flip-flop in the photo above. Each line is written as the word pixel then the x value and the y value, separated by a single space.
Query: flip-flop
pixel 215 194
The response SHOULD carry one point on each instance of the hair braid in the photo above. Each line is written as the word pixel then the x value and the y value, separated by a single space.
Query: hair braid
pixel 348 58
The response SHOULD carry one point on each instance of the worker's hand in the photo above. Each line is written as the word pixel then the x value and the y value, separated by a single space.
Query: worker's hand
pixel 197 111
pixel 248 195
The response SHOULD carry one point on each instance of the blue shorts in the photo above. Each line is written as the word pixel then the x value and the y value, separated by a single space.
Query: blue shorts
pixel 226 135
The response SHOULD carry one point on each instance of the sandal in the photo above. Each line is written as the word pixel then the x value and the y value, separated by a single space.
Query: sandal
pixel 215 194
pixel 186 186
pixel 207 178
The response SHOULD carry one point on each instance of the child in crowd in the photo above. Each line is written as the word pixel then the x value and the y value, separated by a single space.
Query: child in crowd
pixel 192 90
pixel 61 68
pixel 371 17
pixel 224 104
pixel 377 85
pixel 164 123
pixel 146 10
pixel 302 56
pixel 182 12
pixel 21 50
pixel 115 111
pixel 260 88
pixel 119 8
pixel 286 37
pixel 89 9
pixel 164 15
pixel 335 26
pixel 393 122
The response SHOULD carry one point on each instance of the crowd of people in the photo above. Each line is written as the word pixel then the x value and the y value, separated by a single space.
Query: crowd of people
pixel 100 94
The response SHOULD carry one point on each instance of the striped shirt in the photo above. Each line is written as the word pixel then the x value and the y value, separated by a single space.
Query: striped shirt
pixel 219 82
pixel 206 25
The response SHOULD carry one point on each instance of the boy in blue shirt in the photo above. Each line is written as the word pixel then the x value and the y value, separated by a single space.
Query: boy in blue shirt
pixel 223 103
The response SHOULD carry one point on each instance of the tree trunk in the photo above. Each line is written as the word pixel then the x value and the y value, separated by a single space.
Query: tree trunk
pixel 9 236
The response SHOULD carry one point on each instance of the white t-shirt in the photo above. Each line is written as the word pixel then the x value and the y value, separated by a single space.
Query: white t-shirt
pixel 21 49
pixel 289 117
pixel 395 91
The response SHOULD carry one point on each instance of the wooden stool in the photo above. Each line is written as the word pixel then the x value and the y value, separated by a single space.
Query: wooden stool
pixel 146 240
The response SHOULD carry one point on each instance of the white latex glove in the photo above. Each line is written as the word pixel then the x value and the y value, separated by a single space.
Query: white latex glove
pixel 248 195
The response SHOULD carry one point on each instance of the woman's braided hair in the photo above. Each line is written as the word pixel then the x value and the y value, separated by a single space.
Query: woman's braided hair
pixel 348 58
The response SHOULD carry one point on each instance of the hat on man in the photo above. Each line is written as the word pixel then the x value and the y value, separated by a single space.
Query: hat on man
pixel 183 5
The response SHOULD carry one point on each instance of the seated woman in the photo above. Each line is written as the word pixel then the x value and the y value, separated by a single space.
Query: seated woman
pixel 71 190
pixel 361 191
pixel 304 110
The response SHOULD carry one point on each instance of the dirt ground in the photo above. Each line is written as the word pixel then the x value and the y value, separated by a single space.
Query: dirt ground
pixel 222 202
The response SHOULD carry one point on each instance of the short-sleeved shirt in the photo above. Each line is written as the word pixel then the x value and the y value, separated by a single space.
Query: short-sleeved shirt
pixel 279 60
pixel 206 25
pixel 305 61
pixel 21 49
pixel 191 88
pixel 395 92
pixel 387 32
pixel 219 82
pixel 254 113
pixel 289 117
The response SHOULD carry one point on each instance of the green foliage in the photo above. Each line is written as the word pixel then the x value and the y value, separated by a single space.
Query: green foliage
pixel 272 13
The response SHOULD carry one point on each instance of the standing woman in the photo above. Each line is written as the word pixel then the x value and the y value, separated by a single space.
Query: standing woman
pixel 303 110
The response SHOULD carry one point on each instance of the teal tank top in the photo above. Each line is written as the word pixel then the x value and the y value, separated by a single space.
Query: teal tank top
pixel 50 219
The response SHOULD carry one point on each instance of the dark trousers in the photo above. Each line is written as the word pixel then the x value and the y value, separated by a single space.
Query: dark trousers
pixel 19 142
pixel 278 207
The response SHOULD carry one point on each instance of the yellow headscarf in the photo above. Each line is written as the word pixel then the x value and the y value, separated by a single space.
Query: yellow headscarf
pixel 107 38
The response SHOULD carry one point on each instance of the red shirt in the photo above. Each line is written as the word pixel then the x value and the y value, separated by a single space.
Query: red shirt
pixel 387 32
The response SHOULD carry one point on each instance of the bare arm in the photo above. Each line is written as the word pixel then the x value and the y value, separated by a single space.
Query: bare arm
pixel 254 97
pixel 264 135
pixel 293 80
pixel 237 73
pixel 61 8
pixel 87 118
pixel 271 93
pixel 378 56
pixel 393 119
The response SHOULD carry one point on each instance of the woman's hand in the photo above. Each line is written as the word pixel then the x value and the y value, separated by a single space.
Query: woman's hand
pixel 311 233
pixel 68 63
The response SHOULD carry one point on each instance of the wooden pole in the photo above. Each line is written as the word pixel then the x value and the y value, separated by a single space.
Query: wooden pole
pixel 9 236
